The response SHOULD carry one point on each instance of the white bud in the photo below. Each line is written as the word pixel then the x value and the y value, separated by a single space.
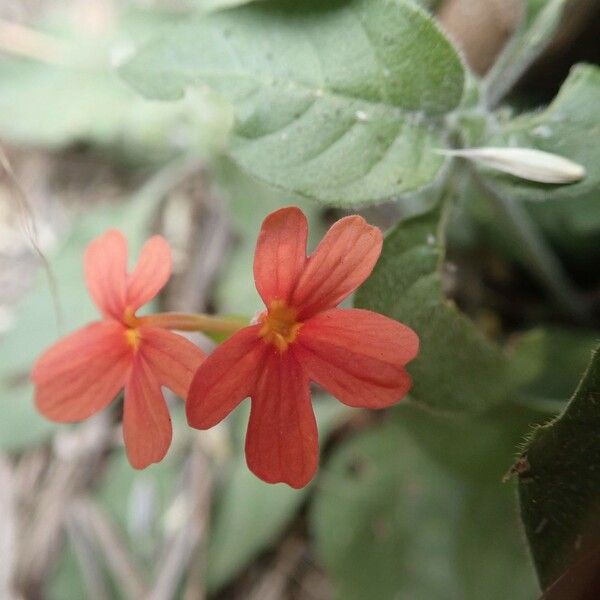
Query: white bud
pixel 525 163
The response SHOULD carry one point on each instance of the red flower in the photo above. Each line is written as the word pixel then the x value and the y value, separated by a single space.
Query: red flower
pixel 357 355
pixel 82 373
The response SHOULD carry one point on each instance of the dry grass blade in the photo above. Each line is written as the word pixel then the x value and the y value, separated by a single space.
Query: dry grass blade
pixel 85 550
pixel 79 454
pixel 8 527
pixel 90 517
pixel 180 550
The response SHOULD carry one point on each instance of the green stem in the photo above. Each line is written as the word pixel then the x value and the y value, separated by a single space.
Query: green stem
pixel 542 260
pixel 190 322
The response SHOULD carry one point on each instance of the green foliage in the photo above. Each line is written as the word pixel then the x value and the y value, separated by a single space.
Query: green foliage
pixel 138 501
pixel 457 368
pixel 84 100
pixel 66 581
pixel 568 127
pixel 346 102
pixel 381 519
pixel 338 101
pixel 559 481
pixel 547 364
pixel 477 448
pixel 490 558
pixel 251 514
pixel 541 21
pixel 391 522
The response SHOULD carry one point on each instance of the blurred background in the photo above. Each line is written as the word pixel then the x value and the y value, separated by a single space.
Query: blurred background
pixel 81 152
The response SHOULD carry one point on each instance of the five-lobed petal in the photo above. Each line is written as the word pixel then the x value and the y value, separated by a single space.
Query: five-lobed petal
pixel 357 355
pixel 82 373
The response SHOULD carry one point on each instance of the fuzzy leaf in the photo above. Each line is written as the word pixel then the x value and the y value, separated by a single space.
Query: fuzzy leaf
pixel 85 100
pixel 559 483
pixel 541 21
pixel 390 522
pixel 341 101
pixel 457 367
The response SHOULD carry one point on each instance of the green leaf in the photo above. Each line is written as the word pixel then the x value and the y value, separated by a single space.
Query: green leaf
pixel 390 522
pixel 36 325
pixel 490 557
pixel 559 481
pixel 568 127
pixel 457 367
pixel 66 580
pixel 251 514
pixel 536 357
pixel 85 100
pixel 138 501
pixel 571 226
pixel 381 517
pixel 477 448
pixel 541 21
pixel 341 101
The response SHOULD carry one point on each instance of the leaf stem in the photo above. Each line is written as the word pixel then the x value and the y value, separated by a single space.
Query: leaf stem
pixel 542 260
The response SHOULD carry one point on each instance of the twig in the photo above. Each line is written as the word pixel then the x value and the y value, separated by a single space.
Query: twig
pixel 543 262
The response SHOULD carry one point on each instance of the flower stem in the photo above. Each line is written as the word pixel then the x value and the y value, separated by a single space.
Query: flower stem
pixel 191 322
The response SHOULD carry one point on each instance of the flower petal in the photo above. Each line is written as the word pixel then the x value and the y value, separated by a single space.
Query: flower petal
pixel 147 429
pixel 343 259
pixel 225 378
pixel 358 356
pixel 282 440
pixel 280 254
pixel 151 272
pixel 172 358
pixel 105 266
pixel 82 373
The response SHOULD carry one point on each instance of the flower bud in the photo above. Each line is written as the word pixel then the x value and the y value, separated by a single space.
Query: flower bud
pixel 526 163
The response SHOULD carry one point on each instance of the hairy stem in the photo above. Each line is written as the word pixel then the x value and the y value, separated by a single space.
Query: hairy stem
pixel 542 260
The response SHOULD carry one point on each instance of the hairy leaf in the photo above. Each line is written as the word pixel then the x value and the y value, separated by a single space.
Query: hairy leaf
pixel 340 101
pixel 457 367
pixel 559 483
pixel 540 22
pixel 390 522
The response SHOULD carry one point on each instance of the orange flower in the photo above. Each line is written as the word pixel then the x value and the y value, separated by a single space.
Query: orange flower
pixel 82 373
pixel 357 355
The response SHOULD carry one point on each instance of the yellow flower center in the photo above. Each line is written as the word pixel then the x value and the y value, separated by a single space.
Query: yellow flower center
pixel 133 338
pixel 279 325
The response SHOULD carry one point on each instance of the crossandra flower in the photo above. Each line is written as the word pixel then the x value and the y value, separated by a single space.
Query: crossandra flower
pixel 357 355
pixel 82 373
